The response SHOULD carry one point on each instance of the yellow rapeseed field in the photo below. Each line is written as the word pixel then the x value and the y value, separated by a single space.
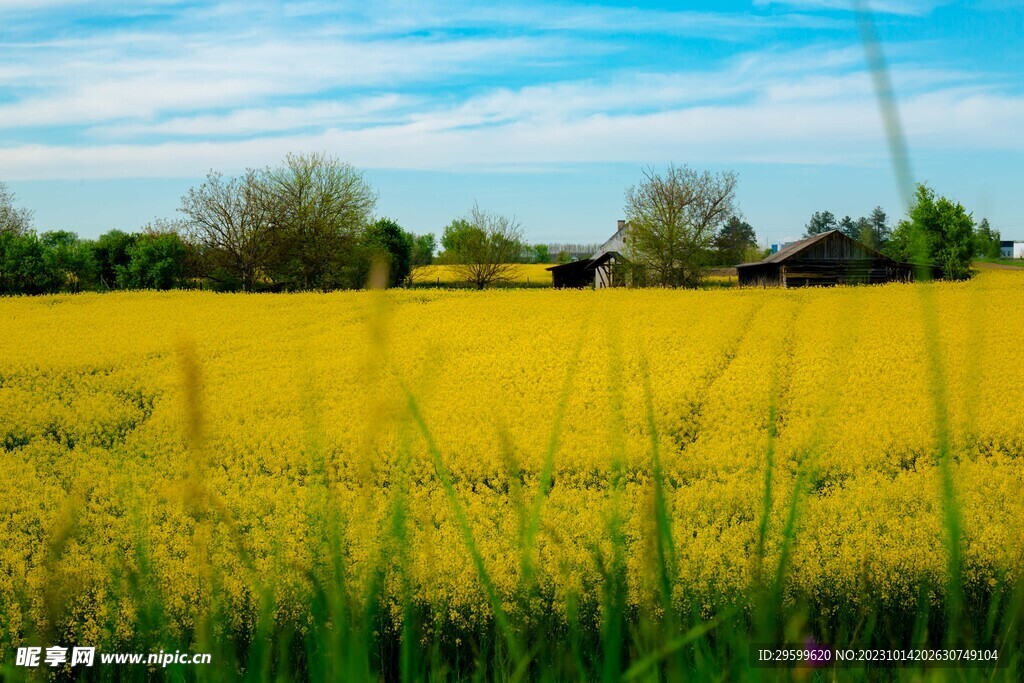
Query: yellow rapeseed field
pixel 522 273
pixel 222 442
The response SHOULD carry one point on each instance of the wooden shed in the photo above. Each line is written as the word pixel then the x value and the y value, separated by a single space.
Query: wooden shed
pixel 572 275
pixel 594 272
pixel 830 258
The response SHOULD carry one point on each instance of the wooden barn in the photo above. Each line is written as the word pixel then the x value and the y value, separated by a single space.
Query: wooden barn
pixel 830 258
pixel 592 272
pixel 598 271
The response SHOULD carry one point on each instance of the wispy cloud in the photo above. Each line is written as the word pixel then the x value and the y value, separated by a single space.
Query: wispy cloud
pixel 174 88
pixel 379 110
pixel 209 74
pixel 816 121
pixel 904 7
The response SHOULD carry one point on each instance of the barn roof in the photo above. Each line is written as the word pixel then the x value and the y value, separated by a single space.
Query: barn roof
pixel 586 264
pixel 571 265
pixel 793 249
pixel 604 257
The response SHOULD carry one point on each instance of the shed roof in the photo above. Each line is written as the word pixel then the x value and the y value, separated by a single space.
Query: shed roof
pixel 586 264
pixel 604 257
pixel 571 265
pixel 797 247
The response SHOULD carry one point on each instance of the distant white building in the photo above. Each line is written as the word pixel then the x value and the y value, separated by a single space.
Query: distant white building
pixel 776 248
pixel 1012 249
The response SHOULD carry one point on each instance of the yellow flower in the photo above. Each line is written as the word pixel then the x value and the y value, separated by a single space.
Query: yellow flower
pixel 307 444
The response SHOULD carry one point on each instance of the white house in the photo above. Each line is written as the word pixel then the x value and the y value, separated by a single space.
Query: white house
pixel 1012 249
pixel 603 260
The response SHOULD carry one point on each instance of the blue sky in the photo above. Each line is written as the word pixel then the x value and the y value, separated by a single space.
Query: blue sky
pixel 546 110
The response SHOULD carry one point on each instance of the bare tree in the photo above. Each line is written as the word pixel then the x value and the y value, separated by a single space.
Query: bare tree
pixel 13 219
pixel 231 222
pixel 322 207
pixel 484 247
pixel 673 219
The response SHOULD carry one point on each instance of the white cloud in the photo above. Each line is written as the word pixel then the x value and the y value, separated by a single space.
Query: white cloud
pixel 537 15
pixel 135 102
pixel 769 76
pixel 94 86
pixel 844 131
pixel 247 56
pixel 120 5
pixel 904 7
pixel 617 19
pixel 253 121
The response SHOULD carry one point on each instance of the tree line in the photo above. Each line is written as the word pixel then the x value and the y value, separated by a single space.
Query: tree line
pixel 60 261
pixel 306 224
pixel 937 231
pixel 309 224
pixel 683 222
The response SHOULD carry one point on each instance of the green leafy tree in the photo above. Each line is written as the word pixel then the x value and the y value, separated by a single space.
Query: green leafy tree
pixel 734 242
pixel 40 264
pixel 956 246
pixel 937 231
pixel 70 260
pixel 541 253
pixel 455 238
pixel 321 207
pixel 849 227
pixel 906 246
pixel 563 256
pixel 386 238
pixel 987 241
pixel 155 261
pixel 483 247
pixel 423 248
pixel 110 251
pixel 821 221
pixel 673 219
pixel 863 232
pixel 878 224
pixel 24 268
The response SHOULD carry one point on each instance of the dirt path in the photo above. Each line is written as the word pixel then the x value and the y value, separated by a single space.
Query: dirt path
pixel 983 265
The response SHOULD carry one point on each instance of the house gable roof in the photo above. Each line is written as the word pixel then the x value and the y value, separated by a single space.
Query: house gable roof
pixel 615 243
